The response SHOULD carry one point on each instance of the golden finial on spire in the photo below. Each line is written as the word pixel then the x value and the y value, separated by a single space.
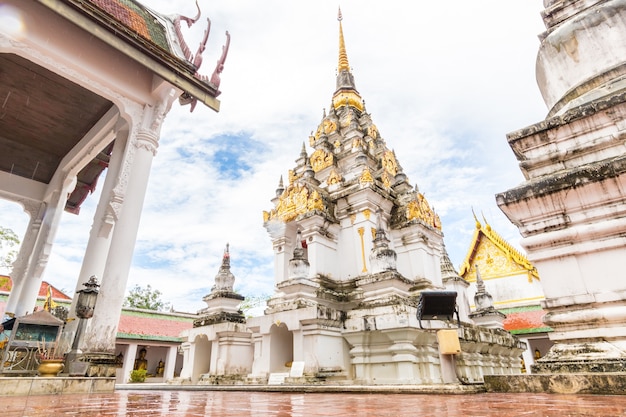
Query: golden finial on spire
pixel 343 56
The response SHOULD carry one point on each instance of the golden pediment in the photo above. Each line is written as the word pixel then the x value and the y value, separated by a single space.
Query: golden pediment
pixel 372 131
pixel 321 159
pixel 326 127
pixel 389 163
pixel 386 181
pixel 329 126
pixel 297 199
pixel 293 176
pixel 366 177
pixel 492 262
pixel 419 209
pixel 333 178
pixel 494 256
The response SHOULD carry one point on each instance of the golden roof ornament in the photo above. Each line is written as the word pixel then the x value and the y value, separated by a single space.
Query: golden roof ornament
pixel 366 176
pixel 297 199
pixel 386 181
pixel 419 209
pixel 389 162
pixel 321 159
pixel 334 178
pixel 346 94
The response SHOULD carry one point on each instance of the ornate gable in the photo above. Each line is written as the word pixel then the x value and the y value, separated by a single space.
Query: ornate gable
pixel 495 257
pixel 297 199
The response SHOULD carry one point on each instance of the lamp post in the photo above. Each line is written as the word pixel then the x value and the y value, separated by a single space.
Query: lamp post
pixel 87 298
pixel 84 310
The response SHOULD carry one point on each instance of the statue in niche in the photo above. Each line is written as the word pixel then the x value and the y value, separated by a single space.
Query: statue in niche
pixel 141 362
pixel 119 360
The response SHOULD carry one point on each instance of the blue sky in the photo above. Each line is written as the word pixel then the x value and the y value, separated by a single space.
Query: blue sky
pixel 444 83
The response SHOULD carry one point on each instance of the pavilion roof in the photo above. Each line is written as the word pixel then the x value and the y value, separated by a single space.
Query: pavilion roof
pixel 525 320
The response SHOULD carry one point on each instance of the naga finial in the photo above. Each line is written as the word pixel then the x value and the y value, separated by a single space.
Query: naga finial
pixel 197 59
pixel 215 78
pixel 190 21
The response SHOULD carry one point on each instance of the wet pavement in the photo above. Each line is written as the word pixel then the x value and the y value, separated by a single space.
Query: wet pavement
pixel 263 404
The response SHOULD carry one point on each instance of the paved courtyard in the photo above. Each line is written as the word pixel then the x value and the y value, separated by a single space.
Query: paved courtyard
pixel 264 404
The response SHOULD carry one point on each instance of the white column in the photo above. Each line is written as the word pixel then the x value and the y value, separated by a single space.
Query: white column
pixel 129 361
pixel 102 227
pixel 36 211
pixel 170 363
pixel 188 360
pixel 144 141
pixel 27 297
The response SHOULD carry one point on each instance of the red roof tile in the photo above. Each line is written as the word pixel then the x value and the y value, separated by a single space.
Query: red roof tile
pixel 152 324
pixel 524 320
pixel 6 284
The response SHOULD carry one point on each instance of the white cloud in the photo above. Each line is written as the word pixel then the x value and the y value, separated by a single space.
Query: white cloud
pixel 444 82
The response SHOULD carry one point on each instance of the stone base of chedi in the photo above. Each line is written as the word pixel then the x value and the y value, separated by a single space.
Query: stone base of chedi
pixel 583 383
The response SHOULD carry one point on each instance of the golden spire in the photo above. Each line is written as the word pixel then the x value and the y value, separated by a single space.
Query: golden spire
pixel 343 55
pixel 346 93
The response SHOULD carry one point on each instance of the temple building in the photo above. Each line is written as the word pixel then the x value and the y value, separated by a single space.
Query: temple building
pixel 155 333
pixel 357 248
pixel 86 87
pixel 514 285
pixel 571 208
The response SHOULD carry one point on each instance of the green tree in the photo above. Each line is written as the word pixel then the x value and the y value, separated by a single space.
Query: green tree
pixel 146 298
pixel 253 301
pixel 8 247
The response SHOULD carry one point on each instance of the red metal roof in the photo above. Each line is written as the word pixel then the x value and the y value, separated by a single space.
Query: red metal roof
pixel 135 17
pixel 133 324
pixel 6 284
pixel 524 320
pixel 152 324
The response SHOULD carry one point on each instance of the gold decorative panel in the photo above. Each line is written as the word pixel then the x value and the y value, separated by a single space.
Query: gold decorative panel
pixel 321 159
pixel 366 177
pixel 326 128
pixel 420 209
pixel 494 256
pixel 348 98
pixel 389 163
pixel 492 262
pixel 295 200
pixel 293 176
pixel 372 131
pixel 386 181
pixel 334 178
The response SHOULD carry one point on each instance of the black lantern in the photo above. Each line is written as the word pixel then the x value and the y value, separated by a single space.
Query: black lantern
pixel 87 298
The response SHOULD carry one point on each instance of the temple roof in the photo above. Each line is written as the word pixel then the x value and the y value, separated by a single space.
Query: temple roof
pixel 133 324
pixel 525 320
pixel 6 284
pixel 349 154
pixel 494 256
pixel 151 40
pixel 152 325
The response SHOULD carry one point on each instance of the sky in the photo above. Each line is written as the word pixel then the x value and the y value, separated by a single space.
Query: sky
pixel 443 81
